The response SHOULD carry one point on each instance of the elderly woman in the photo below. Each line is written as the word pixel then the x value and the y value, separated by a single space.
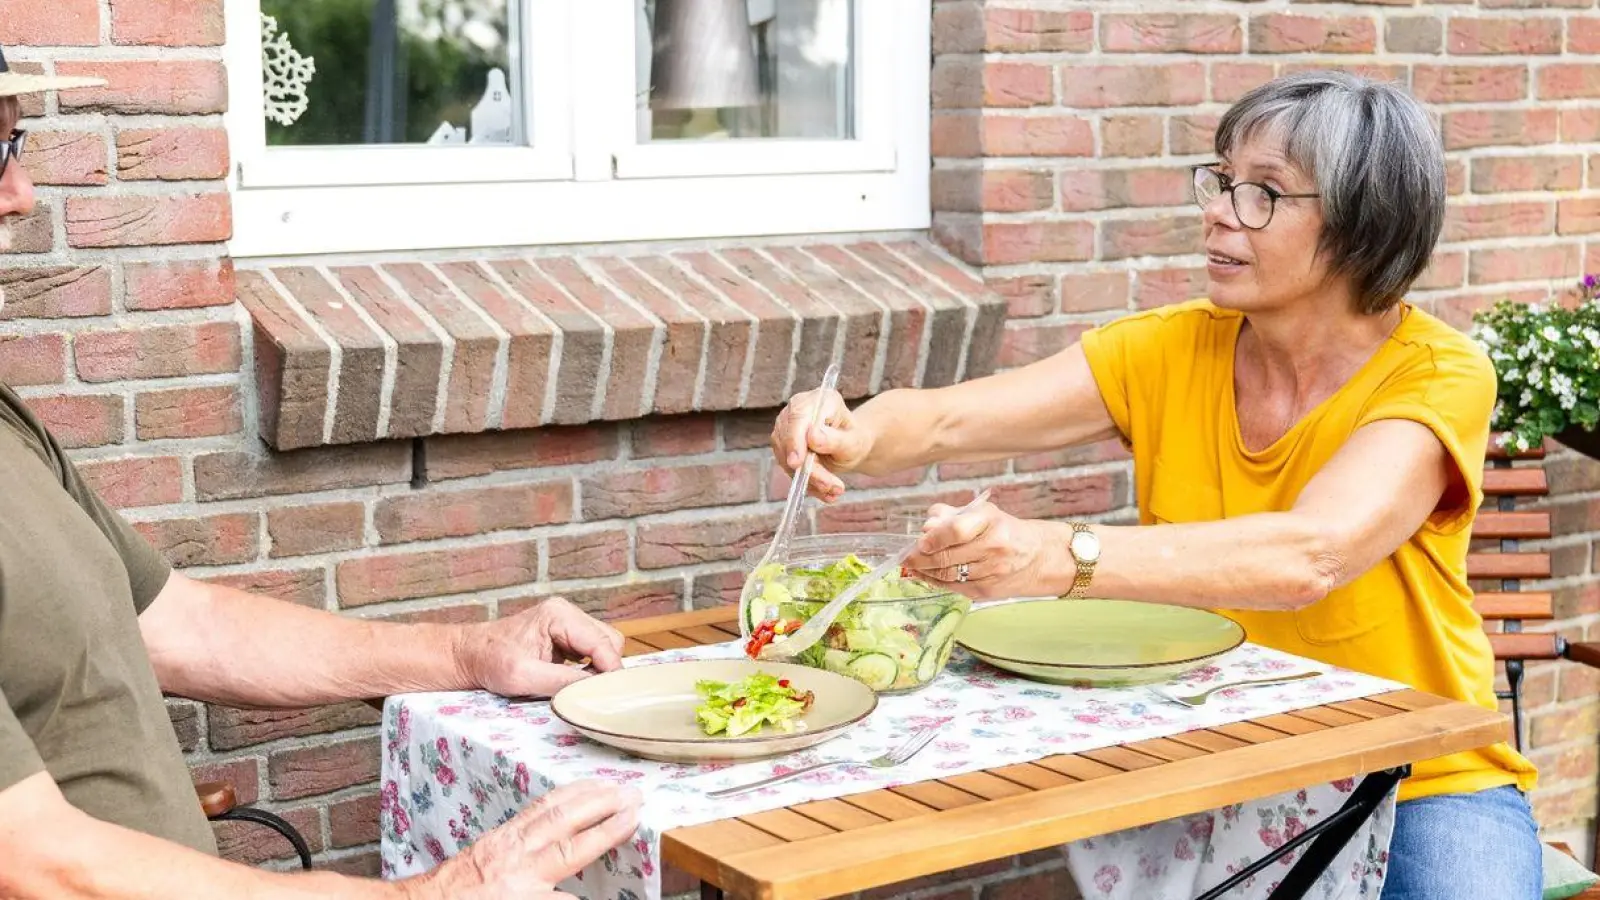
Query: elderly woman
pixel 1307 447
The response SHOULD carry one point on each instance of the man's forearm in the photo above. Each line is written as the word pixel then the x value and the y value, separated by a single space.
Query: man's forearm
pixel 251 651
pixel 100 861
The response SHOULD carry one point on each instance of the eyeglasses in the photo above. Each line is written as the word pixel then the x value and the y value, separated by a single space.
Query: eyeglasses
pixel 12 148
pixel 1253 202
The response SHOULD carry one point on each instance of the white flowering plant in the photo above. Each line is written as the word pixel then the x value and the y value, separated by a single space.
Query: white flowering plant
pixel 1547 359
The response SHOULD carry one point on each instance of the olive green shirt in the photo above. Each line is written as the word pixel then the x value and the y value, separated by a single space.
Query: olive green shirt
pixel 78 697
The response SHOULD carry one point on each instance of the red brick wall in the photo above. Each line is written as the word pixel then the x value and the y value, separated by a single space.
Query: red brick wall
pixel 120 327
pixel 1060 133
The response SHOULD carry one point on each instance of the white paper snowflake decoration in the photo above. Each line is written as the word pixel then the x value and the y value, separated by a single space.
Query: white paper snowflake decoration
pixel 285 74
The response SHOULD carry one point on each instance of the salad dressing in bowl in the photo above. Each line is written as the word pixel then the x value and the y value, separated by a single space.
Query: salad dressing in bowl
pixel 895 638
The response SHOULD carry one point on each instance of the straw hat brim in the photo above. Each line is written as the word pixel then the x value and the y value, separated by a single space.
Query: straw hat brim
pixel 15 83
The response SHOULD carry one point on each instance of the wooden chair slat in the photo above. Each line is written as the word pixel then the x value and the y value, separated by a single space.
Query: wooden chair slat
pixel 985 785
pixel 1080 768
pixel 838 815
pixel 786 824
pixel 1508 565
pixel 888 805
pixel 1210 741
pixel 1032 776
pixel 937 794
pixel 1163 749
pixel 1497 605
pixel 1496 451
pixel 1525 645
pixel 1585 652
pixel 1289 724
pixel 1122 758
pixel 1512 525
pixel 704 634
pixel 1249 732
pixel 1514 482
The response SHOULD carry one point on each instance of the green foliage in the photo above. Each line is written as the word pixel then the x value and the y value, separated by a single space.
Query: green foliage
pixel 442 76
pixel 1547 359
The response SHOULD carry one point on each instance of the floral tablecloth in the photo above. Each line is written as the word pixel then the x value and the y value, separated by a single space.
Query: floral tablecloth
pixel 457 764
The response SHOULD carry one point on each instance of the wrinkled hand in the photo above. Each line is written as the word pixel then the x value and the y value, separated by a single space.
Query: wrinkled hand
pixel 1004 555
pixel 525 655
pixel 543 845
pixel 840 441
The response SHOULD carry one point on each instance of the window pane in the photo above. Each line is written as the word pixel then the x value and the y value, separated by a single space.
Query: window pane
pixel 745 69
pixel 402 71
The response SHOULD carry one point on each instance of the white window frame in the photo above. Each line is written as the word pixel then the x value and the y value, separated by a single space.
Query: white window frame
pixel 586 177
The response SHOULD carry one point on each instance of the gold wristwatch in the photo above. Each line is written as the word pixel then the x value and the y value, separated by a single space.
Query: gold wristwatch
pixel 1084 545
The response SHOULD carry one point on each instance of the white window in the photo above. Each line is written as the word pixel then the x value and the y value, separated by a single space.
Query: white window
pixel 421 124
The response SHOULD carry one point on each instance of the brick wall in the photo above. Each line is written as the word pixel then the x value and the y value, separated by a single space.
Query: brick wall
pixel 1060 133
pixel 1058 129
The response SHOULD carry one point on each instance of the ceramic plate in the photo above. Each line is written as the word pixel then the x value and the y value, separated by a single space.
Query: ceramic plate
pixel 648 711
pixel 1099 643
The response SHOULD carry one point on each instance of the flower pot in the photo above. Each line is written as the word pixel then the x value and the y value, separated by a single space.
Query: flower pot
pixel 1585 442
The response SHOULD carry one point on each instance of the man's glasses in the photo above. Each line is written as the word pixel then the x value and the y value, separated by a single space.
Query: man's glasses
pixel 12 148
pixel 1253 202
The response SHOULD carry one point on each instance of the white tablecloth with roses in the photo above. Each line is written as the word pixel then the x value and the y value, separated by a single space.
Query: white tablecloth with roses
pixel 457 764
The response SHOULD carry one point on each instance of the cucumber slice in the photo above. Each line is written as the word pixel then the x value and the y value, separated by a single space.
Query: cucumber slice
pixel 928 666
pixel 944 629
pixel 875 670
pixel 837 661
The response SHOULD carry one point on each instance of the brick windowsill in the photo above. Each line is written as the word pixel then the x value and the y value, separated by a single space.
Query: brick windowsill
pixel 355 353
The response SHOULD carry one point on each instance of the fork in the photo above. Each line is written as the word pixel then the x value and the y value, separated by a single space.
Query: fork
pixel 1199 699
pixel 889 760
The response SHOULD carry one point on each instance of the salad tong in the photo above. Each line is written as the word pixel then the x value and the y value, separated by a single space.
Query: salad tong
pixel 779 548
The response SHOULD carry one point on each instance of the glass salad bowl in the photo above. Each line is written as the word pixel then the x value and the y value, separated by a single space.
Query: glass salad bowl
pixel 894 639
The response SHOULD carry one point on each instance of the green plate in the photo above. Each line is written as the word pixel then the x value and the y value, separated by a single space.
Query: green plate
pixel 1097 643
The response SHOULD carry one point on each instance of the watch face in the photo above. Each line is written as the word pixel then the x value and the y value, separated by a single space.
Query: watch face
pixel 1086 547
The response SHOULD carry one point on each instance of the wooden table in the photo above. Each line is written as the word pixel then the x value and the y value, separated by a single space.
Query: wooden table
pixel 833 847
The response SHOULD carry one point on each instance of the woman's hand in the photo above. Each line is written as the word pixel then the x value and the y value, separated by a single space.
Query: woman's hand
pixel 840 440
pixel 1004 556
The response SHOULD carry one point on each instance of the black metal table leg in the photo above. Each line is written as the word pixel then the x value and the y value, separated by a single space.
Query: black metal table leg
pixel 1331 835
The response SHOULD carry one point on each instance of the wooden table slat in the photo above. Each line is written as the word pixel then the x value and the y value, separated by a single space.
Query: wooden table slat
pixel 838 815
pixel 1161 748
pixel 732 631
pixel 1032 776
pixel 1364 708
pixel 787 824
pixel 1078 767
pixel 985 785
pixel 889 805
pixel 666 640
pixel 719 615
pixel 1249 732
pixel 704 634
pixel 1289 724
pixel 699 849
pixel 1122 758
pixel 937 794
pixel 1327 715
pixel 1210 741
pixel 636 647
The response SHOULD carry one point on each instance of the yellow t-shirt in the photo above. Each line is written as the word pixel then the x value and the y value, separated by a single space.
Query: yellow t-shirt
pixel 1167 378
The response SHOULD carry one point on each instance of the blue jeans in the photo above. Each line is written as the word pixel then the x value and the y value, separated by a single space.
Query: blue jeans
pixel 1465 847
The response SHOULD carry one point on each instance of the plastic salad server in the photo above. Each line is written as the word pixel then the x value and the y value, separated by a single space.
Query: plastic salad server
pixel 779 548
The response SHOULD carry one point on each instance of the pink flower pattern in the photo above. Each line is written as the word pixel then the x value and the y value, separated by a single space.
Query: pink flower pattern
pixel 435 745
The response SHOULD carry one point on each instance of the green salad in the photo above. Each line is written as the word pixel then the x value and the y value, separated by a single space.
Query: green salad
pixel 896 637
pixel 746 706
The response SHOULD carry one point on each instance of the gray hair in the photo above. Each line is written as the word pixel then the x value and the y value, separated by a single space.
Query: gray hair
pixel 1377 162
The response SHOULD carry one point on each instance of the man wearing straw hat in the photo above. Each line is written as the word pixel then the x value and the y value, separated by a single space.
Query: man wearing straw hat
pixel 95 800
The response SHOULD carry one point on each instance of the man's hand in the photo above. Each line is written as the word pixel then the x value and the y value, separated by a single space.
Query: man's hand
pixel 523 656
pixel 543 845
